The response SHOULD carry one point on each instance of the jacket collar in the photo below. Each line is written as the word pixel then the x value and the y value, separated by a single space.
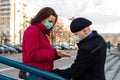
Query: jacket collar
pixel 43 28
pixel 88 38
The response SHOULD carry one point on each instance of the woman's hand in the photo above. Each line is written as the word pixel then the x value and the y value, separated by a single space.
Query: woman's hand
pixel 62 53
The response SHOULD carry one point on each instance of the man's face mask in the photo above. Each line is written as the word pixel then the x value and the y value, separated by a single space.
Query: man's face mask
pixel 48 25
pixel 77 38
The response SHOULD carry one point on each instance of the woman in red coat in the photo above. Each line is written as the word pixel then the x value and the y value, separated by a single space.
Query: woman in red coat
pixel 36 48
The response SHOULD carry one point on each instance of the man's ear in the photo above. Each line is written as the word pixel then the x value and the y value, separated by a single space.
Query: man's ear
pixel 85 31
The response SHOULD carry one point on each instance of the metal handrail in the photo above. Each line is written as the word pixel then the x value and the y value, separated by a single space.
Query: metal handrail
pixel 45 74
pixel 2 77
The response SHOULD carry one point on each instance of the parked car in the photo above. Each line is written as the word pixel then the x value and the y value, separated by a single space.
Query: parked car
pixel 13 49
pixel 1 49
pixel 56 47
pixel 16 47
pixel 7 49
pixel 65 47
pixel 72 47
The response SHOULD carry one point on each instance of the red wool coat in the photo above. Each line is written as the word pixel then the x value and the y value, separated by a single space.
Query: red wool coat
pixel 36 48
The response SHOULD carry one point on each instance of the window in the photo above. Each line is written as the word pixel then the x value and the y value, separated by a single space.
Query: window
pixel 4 0
pixel 8 4
pixel 6 9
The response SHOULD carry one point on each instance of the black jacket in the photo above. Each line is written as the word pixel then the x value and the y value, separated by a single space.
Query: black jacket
pixel 89 62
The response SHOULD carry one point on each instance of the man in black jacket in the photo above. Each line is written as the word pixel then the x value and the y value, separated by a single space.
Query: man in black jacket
pixel 91 55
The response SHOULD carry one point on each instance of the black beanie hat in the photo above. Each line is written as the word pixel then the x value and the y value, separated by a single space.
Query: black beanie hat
pixel 79 23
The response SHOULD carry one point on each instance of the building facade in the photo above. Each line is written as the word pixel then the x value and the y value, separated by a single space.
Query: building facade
pixel 13 19
pixel 15 16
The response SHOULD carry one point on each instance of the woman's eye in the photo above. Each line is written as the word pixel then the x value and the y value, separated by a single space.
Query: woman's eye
pixel 75 34
pixel 50 21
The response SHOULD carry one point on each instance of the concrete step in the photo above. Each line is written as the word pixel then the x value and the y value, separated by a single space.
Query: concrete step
pixel 111 74
pixel 112 67
pixel 117 77
pixel 109 64
pixel 109 58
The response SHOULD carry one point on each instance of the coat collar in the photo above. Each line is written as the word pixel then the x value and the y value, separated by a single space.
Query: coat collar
pixel 43 28
pixel 87 38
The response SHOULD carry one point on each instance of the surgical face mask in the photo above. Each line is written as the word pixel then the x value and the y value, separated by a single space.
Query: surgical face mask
pixel 48 25
pixel 76 38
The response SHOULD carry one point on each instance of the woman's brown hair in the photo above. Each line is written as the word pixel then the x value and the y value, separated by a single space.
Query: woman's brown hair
pixel 43 14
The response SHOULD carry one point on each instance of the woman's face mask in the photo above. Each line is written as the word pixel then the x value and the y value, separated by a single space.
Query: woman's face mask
pixel 48 25
pixel 77 38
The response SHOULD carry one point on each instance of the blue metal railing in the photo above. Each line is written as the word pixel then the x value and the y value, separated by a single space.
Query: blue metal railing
pixel 45 74
pixel 2 77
